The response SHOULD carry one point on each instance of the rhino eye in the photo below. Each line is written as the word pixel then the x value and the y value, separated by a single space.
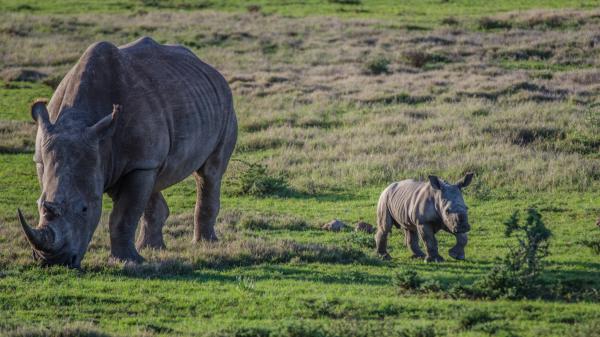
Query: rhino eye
pixel 84 209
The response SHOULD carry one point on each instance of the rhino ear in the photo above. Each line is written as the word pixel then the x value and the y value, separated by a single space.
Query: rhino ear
pixel 106 126
pixel 435 182
pixel 39 113
pixel 465 181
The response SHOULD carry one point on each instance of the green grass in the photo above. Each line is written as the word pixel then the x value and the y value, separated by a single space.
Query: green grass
pixel 15 99
pixel 336 135
pixel 411 12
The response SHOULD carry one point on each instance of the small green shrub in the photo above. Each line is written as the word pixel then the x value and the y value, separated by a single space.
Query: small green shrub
pixel 518 273
pixel 407 279
pixel 420 59
pixel 431 286
pixel 474 317
pixel 591 242
pixel 377 65
pixel 253 179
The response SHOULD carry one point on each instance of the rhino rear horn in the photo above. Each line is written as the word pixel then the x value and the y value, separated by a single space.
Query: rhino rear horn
pixel 41 239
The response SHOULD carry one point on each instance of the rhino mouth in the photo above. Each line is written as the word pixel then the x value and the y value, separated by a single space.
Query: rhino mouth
pixel 61 259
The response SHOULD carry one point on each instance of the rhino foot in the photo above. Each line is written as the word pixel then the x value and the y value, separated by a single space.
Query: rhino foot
pixel 150 243
pixel 417 256
pixel 385 256
pixel 455 255
pixel 127 255
pixel 434 259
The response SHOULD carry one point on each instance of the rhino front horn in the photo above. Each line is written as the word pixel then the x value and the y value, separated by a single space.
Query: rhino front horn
pixel 40 239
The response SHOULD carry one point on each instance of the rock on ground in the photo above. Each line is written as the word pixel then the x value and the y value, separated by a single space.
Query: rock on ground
pixel 334 225
pixel 362 226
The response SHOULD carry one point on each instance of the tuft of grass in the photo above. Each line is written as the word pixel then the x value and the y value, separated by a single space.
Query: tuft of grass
pixel 377 65
pixel 488 23
pixel 474 317
pixel 407 279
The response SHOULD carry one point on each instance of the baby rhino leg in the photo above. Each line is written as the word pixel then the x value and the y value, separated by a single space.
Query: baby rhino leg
pixel 411 239
pixel 384 227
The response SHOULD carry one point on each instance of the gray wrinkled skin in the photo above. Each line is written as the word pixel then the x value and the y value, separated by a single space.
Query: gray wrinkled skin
pixel 422 209
pixel 174 118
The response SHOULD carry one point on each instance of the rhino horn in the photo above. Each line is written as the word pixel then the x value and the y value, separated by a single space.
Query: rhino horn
pixel 44 239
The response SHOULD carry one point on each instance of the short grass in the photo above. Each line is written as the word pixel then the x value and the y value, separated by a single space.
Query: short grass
pixel 412 12
pixel 518 105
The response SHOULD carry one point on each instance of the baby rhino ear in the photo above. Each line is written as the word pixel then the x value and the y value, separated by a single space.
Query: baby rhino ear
pixel 106 126
pixel 435 182
pixel 465 181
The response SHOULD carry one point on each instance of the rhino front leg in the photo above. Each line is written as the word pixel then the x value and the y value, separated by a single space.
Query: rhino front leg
pixel 130 200
pixel 458 251
pixel 428 237
pixel 411 239
pixel 153 220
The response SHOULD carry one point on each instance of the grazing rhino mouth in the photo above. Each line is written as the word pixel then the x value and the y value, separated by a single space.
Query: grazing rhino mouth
pixel 48 245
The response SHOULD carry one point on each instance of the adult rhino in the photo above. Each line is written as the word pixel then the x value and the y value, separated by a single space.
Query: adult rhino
pixel 174 118
pixel 422 209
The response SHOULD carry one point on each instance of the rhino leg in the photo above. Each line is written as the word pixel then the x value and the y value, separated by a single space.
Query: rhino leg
pixel 458 251
pixel 208 188
pixel 411 239
pixel 384 227
pixel 153 220
pixel 428 237
pixel 130 200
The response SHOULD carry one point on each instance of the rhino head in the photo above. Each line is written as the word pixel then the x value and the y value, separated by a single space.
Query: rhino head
pixel 450 203
pixel 67 157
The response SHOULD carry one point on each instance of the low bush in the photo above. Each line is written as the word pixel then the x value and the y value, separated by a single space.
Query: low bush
pixel 518 273
pixel 377 65
pixel 474 317
pixel 254 179
pixel 592 241
pixel 407 279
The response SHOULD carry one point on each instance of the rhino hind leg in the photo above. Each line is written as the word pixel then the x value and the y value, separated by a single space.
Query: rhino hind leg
pixel 153 220
pixel 130 200
pixel 384 227
pixel 411 239
pixel 208 188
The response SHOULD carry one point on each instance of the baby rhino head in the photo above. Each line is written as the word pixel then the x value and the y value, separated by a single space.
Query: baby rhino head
pixel 450 203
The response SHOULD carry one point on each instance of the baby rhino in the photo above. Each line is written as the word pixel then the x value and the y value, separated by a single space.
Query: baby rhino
pixel 423 208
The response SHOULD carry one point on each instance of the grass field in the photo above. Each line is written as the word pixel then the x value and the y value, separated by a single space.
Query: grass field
pixel 336 100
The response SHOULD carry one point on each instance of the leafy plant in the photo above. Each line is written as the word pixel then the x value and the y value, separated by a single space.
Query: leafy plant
pixel 377 65
pixel 518 273
pixel 253 179
pixel 407 279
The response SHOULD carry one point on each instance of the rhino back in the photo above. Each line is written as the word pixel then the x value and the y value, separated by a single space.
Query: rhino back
pixel 186 103
pixel 410 203
pixel 175 107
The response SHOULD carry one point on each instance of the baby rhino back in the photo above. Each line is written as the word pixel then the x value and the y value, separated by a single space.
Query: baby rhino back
pixel 407 203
